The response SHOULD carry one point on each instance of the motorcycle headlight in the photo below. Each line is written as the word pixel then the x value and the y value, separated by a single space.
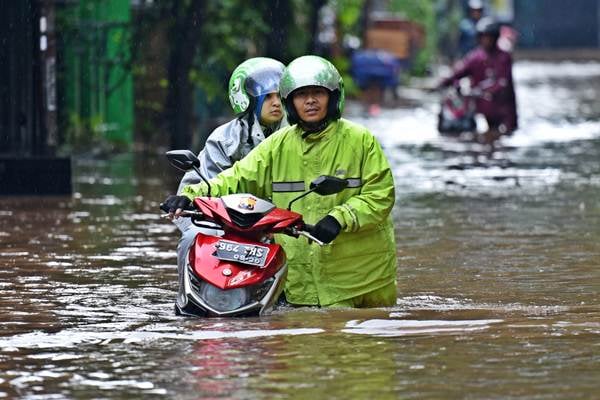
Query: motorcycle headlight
pixel 260 290
pixel 232 299
pixel 224 300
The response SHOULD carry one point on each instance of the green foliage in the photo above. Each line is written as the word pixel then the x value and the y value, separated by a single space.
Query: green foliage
pixel 448 16
pixel 230 32
pixel 299 38
pixel 342 63
pixel 348 14
pixel 423 12
pixel 84 132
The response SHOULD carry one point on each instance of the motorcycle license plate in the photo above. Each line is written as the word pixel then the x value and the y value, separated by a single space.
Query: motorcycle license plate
pixel 243 253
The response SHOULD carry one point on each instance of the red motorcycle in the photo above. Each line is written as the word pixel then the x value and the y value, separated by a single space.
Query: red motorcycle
pixel 242 271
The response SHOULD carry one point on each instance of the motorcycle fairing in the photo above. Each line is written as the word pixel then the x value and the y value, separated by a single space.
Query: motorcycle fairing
pixel 227 274
pixel 267 216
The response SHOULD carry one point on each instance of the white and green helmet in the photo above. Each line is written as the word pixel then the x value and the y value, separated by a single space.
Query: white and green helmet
pixel 313 71
pixel 254 78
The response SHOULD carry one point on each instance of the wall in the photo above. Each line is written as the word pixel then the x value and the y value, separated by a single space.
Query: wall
pixel 558 23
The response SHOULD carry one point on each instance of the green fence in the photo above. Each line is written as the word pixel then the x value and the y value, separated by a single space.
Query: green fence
pixel 96 76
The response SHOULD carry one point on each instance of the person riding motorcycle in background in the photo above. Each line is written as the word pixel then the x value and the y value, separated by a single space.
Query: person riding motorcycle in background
pixel 490 71
pixel 254 98
pixel 467 37
pixel 358 267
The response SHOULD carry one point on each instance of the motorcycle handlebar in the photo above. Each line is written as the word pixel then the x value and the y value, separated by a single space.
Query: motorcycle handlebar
pixel 184 213
pixel 163 207
pixel 311 238
pixel 188 211
pixel 306 232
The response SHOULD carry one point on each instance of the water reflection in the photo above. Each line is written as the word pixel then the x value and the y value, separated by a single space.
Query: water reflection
pixel 498 285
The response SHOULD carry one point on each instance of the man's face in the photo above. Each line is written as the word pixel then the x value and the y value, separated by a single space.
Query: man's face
pixel 488 42
pixel 271 112
pixel 476 13
pixel 311 102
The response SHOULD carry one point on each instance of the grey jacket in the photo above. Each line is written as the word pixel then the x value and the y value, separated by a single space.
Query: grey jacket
pixel 225 145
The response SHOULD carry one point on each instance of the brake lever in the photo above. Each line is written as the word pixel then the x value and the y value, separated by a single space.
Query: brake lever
pixel 310 238
pixel 184 214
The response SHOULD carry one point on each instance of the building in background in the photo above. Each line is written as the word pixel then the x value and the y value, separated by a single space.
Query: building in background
pixel 553 24
pixel 550 24
pixel 28 107
pixel 65 77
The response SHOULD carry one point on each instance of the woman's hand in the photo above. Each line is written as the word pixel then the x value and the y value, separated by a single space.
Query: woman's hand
pixel 174 205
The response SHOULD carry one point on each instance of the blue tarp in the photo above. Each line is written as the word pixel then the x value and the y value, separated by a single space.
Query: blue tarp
pixel 375 67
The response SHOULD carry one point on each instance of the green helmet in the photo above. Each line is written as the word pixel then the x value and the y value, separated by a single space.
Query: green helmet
pixel 252 79
pixel 312 71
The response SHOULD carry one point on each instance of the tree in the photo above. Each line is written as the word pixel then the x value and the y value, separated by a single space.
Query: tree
pixel 206 40
pixel 278 17
pixel 188 19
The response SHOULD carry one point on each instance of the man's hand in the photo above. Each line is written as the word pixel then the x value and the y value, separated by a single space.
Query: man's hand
pixel 327 229
pixel 174 205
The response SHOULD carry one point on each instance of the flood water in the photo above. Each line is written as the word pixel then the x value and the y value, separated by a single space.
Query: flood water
pixel 498 280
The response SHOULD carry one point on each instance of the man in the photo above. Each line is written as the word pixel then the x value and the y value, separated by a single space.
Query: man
pixel 358 267
pixel 254 98
pixel 467 38
pixel 490 72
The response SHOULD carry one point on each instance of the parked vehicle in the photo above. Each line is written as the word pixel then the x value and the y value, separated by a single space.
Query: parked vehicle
pixel 243 271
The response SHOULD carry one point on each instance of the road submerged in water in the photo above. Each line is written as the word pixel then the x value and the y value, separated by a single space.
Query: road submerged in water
pixel 498 280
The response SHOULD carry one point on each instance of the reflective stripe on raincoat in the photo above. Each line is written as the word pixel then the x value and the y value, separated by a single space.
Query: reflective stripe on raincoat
pixel 363 257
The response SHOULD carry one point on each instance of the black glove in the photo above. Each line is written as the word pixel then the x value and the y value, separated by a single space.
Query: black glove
pixel 327 229
pixel 172 203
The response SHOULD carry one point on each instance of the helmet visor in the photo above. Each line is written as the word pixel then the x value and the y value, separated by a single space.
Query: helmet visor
pixel 263 82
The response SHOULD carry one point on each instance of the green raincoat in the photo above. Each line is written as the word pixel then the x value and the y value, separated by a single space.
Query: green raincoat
pixel 363 257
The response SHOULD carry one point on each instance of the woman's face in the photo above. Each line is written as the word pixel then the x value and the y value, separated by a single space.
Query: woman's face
pixel 311 102
pixel 271 111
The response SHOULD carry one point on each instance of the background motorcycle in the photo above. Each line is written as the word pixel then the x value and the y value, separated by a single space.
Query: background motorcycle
pixel 457 112
pixel 242 271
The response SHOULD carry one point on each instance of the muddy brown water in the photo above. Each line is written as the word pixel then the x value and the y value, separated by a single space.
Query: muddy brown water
pixel 498 279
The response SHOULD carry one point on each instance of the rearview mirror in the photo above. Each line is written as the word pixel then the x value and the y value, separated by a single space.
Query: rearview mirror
pixel 326 185
pixel 184 160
